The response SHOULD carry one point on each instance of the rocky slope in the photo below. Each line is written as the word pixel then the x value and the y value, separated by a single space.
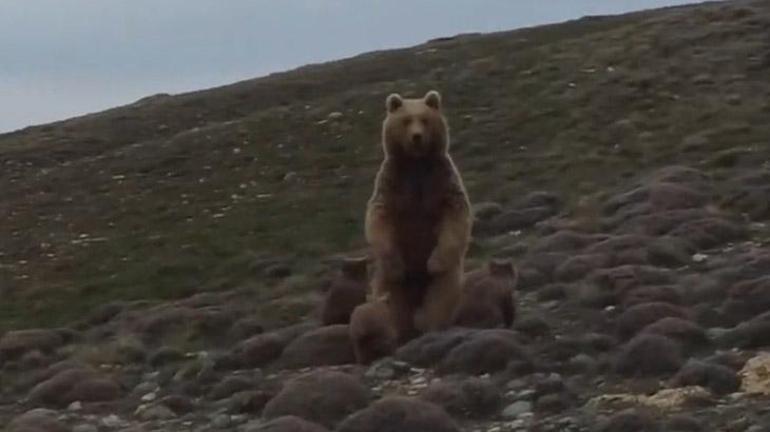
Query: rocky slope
pixel 160 261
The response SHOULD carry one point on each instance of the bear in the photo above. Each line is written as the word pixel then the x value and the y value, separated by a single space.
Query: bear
pixel 418 220
pixel 488 297
pixel 372 331
pixel 345 292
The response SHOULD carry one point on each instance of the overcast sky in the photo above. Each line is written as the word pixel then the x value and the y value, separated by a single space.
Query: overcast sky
pixel 61 58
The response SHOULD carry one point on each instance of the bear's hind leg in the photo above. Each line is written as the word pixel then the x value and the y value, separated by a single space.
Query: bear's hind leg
pixel 401 311
pixel 442 298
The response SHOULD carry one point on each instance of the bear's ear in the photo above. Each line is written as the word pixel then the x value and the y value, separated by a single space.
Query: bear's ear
pixel 393 102
pixel 433 99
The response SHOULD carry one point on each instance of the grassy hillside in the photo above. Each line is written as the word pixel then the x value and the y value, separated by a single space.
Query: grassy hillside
pixel 238 185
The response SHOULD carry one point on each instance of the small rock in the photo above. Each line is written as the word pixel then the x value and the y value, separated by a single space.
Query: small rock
pixel 582 363
pixel 221 421
pixel 533 326
pixel 516 409
pixel 554 402
pixel 178 404
pixel 156 412
pixel 112 421
pixel 85 428
pixel 382 369
pixel 754 375
pixel 166 355
pixel 284 424
pixel 248 402
pixel 699 257
pixel 486 210
pixel 246 328
pixel 229 386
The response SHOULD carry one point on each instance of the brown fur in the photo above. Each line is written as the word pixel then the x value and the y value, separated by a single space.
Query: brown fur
pixel 418 219
pixel 345 292
pixel 488 297
pixel 372 332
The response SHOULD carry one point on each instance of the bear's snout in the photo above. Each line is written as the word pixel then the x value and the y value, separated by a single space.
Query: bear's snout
pixel 417 138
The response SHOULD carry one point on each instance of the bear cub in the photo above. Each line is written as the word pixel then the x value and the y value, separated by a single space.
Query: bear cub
pixel 372 332
pixel 347 290
pixel 488 297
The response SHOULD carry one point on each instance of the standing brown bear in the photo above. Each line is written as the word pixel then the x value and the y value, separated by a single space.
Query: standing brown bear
pixel 488 297
pixel 418 220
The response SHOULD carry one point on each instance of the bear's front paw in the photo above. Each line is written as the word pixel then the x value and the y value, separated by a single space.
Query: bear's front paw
pixel 437 263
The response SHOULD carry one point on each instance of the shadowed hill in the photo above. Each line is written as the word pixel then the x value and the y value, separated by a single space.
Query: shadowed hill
pixel 233 186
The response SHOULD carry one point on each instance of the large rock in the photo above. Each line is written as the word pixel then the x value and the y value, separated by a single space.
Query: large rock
pixel 751 334
pixel 750 195
pixel 265 348
pixel 402 415
pixel 16 343
pixel 635 318
pixel 578 266
pixel 158 323
pixel 566 241
pixel 72 385
pixel 648 294
pixel 486 351
pixel 748 298
pixel 616 282
pixel 754 376
pixel 430 348
pixel 321 397
pixel 540 199
pixel 649 354
pixel 37 420
pixel 719 379
pixel 684 423
pixel 330 345
pixel 229 386
pixel 709 232
pixel 689 334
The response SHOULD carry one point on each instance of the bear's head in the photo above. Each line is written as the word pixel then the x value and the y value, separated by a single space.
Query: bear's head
pixel 415 128
pixel 355 268
pixel 502 268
